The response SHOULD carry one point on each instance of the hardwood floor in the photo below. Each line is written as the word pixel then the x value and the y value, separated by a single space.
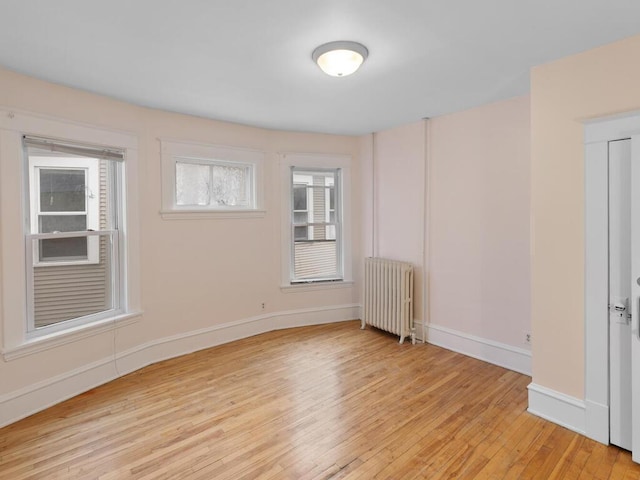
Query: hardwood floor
pixel 326 402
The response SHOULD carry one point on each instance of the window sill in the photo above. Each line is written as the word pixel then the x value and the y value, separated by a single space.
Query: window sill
pixel 54 263
pixel 206 214
pixel 314 286
pixel 46 342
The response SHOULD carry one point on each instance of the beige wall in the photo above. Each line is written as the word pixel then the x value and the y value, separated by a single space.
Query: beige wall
pixel 396 199
pixel 474 208
pixel 202 273
pixel 597 83
pixel 479 221
pixel 195 273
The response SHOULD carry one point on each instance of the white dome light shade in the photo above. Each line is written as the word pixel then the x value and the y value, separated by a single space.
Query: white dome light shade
pixel 340 59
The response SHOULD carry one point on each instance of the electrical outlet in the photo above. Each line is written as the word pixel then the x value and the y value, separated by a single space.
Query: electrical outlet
pixel 527 338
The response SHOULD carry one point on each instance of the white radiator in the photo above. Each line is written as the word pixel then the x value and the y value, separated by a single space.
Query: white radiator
pixel 388 296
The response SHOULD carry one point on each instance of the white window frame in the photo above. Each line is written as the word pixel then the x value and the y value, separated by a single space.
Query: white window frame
pixel 312 221
pixel 174 151
pixel 315 162
pixel 32 238
pixel 92 209
pixel 16 341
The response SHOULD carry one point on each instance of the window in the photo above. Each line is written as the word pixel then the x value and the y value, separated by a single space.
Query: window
pixel 204 180
pixel 213 184
pixel 73 241
pixel 315 226
pixel 61 292
pixel 316 221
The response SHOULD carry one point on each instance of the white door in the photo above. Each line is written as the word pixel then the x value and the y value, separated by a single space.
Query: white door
pixel 612 412
pixel 620 280
pixel 635 296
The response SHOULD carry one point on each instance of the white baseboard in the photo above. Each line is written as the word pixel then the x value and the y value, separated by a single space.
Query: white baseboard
pixel 556 407
pixel 34 398
pixel 564 410
pixel 597 421
pixel 501 354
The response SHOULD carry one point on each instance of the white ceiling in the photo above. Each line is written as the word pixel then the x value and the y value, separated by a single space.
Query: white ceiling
pixel 249 61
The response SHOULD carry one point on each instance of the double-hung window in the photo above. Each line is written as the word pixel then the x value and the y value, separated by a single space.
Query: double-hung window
pixel 73 247
pixel 316 221
pixel 316 239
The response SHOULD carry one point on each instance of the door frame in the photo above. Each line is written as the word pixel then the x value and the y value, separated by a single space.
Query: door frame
pixel 597 135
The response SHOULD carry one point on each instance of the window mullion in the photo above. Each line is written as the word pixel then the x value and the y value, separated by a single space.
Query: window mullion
pixel 79 233
pixel 210 186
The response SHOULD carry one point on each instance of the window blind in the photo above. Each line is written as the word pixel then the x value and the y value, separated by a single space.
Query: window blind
pixel 73 149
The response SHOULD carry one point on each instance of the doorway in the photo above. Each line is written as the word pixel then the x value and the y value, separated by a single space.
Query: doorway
pixel 612 239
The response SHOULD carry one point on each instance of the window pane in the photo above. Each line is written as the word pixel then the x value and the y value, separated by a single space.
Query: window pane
pixel 300 217
pixel 230 186
pixel 300 197
pixel 62 223
pixel 319 232
pixel 192 184
pixel 63 249
pixel 62 190
pixel 300 233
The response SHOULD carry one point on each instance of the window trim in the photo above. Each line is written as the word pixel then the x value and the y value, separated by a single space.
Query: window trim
pixel 14 124
pixel 117 280
pixel 175 151
pixel 317 161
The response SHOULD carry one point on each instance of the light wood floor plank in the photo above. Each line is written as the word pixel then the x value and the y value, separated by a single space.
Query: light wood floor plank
pixel 329 402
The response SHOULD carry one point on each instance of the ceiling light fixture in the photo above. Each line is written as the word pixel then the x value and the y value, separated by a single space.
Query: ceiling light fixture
pixel 341 58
